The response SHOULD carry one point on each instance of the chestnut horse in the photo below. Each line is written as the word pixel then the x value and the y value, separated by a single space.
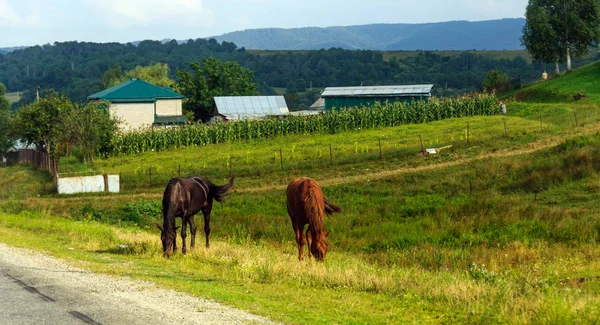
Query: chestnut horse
pixel 306 204
pixel 183 198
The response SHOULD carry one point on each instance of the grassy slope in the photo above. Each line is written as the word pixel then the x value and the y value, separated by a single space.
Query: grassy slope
pixel 494 231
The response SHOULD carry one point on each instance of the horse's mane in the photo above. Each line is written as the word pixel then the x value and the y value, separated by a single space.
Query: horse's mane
pixel 312 199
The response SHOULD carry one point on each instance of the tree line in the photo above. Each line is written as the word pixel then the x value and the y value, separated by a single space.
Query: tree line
pixel 76 69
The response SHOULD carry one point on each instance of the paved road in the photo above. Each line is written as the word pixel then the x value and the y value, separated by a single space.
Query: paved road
pixel 27 297
pixel 38 289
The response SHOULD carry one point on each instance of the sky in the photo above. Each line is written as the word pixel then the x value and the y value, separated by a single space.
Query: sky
pixel 37 22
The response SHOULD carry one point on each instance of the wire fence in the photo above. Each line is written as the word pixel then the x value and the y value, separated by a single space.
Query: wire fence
pixel 372 152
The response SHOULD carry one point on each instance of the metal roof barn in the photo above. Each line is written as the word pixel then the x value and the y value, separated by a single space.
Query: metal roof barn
pixel 340 97
pixel 235 108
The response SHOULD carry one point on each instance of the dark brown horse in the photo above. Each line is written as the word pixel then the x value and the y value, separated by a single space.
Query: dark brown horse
pixel 306 204
pixel 183 198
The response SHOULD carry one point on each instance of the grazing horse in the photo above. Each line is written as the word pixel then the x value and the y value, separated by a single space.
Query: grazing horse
pixel 306 204
pixel 183 198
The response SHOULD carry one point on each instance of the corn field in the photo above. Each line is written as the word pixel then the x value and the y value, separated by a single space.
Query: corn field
pixel 352 119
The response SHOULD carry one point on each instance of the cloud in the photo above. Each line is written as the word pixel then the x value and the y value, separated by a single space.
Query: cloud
pixel 122 14
pixel 26 13
pixel 8 16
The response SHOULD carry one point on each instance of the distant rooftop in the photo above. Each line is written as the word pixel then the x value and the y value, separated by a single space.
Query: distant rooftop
pixel 378 91
pixel 135 91
pixel 247 107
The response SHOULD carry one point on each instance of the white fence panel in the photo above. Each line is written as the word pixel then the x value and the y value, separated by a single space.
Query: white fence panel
pixel 89 184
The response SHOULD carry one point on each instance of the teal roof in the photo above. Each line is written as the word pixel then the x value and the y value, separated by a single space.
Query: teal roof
pixel 135 91
pixel 168 120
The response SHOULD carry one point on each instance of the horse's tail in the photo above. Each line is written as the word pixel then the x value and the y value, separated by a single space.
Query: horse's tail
pixel 219 192
pixel 330 208
pixel 171 198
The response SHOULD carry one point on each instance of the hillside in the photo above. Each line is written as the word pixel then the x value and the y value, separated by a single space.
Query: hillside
pixel 565 88
pixel 503 34
pixel 76 68
pixel 501 228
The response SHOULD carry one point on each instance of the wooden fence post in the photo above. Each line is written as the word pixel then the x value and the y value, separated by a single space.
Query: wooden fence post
pixel 330 155
pixel 468 131
pixel 281 157
pixel 105 176
pixel 505 130
pixel 422 148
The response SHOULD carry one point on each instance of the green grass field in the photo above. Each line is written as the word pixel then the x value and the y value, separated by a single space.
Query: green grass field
pixel 500 228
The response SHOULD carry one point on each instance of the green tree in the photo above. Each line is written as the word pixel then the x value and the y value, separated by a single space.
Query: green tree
pixel 557 29
pixel 90 129
pixel 111 77
pixel 5 141
pixel 40 122
pixel 494 80
pixel 155 73
pixel 213 78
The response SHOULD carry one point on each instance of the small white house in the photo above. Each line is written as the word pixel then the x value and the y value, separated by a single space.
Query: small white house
pixel 138 104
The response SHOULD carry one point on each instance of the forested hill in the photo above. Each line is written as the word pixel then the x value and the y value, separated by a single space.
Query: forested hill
pixel 503 34
pixel 75 69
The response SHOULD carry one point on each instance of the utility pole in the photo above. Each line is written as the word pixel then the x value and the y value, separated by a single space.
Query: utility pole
pixel 37 93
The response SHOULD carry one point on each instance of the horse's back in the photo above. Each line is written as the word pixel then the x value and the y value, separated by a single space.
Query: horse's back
pixel 304 200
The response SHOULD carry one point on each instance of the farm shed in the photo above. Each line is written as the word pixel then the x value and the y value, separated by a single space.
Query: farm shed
pixel 234 108
pixel 340 97
pixel 138 104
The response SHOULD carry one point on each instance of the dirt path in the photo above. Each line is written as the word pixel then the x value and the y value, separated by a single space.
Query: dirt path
pixel 39 289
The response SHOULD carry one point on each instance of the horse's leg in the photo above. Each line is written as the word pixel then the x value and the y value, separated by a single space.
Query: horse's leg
pixel 183 234
pixel 299 241
pixel 206 213
pixel 192 230
pixel 175 244
pixel 309 241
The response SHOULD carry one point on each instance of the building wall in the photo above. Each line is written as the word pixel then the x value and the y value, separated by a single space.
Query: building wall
pixel 346 102
pixel 168 107
pixel 133 116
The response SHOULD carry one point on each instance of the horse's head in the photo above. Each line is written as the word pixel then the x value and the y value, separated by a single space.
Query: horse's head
pixel 318 247
pixel 168 239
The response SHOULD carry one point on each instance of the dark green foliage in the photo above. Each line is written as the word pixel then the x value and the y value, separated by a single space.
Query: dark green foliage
pixel 211 79
pixel 495 81
pixel 557 29
pixel 331 122
pixel 5 141
pixel 40 122
pixel 141 212
pixel 76 69
pixel 59 127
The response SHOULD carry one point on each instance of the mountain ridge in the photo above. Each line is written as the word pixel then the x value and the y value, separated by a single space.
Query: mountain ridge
pixel 461 35
pixel 499 34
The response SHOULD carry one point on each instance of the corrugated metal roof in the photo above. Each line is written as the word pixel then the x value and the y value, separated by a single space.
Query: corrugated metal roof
pixel 244 107
pixel 378 91
pixel 135 90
